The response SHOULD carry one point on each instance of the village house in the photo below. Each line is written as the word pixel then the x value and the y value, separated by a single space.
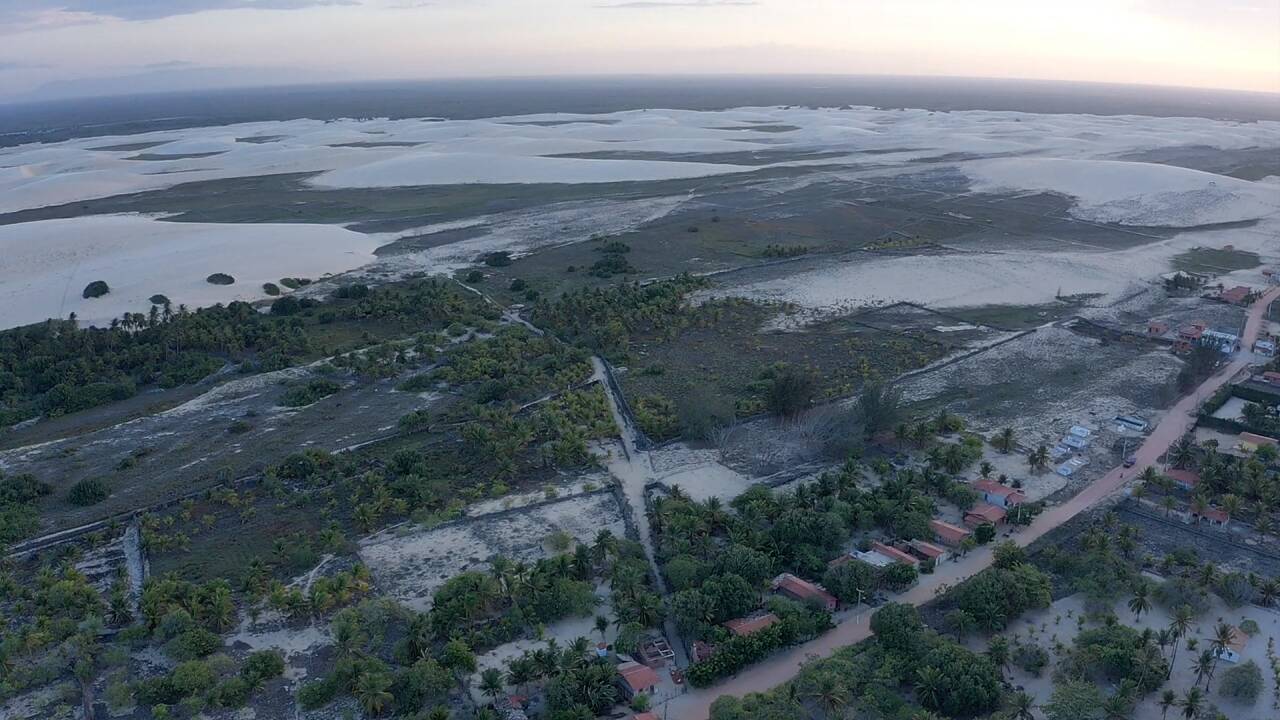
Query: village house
pixel 1156 328
pixel 982 514
pixel 636 679
pixel 948 534
pixel 1236 295
pixel 745 626
pixel 1189 336
pixel 928 551
pixel 1251 441
pixel 1000 495
pixel 894 554
pixel 804 591
pixel 1188 480
pixel 1271 377
pixel 1213 517
pixel 1232 651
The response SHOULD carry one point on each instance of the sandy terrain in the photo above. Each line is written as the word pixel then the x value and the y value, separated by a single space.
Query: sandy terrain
pixel 409 565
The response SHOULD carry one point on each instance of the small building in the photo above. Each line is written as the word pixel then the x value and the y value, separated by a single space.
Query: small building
pixel 1233 651
pixel 1156 328
pixel 1189 336
pixel 1252 441
pixel 702 650
pixel 745 626
pixel 1000 495
pixel 1133 422
pixel 982 514
pixel 1265 348
pixel 1214 517
pixel 874 559
pixel 636 679
pixel 804 591
pixel 948 534
pixel 928 551
pixel 1236 295
pixel 1075 442
pixel 1225 342
pixel 656 652
pixel 1188 480
pixel 894 554
pixel 1271 377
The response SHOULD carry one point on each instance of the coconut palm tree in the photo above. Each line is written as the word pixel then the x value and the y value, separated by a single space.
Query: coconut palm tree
pixel 373 690
pixel 1168 699
pixel 829 691
pixel 1223 635
pixel 1022 706
pixel 1204 667
pixel 1192 703
pixel 1180 624
pixel 929 686
pixel 491 683
pixel 1039 459
pixel 1140 602
pixel 1005 440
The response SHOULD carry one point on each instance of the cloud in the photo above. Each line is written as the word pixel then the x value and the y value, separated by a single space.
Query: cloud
pixel 643 4
pixel 152 9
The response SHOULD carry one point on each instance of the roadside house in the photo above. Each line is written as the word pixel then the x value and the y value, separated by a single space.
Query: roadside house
pixel 745 626
pixel 928 551
pixel 804 591
pixel 999 495
pixel 948 534
pixel 1188 480
pixel 636 679
pixel 982 514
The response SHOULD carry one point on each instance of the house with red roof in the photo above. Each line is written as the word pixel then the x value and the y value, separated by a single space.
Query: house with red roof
pixel 982 514
pixel 745 626
pixel 804 591
pixel 1271 377
pixel 1188 480
pixel 894 554
pixel 1236 295
pixel 927 551
pixel 948 534
pixel 1215 517
pixel 1000 495
pixel 636 679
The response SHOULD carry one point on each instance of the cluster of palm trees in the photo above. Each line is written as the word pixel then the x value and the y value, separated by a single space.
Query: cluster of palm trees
pixel 570 676
pixel 1239 486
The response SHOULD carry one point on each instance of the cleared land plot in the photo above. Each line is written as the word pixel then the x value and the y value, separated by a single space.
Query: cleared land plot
pixel 729 353
pixel 410 567
pixel 1216 260
pixel 172 453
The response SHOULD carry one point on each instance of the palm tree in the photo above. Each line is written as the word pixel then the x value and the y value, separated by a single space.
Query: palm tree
pixel 1168 503
pixel 372 689
pixel 1268 592
pixel 984 470
pixel 1039 459
pixel 1223 635
pixel 1021 706
pixel 1180 624
pixel 520 672
pixel 998 651
pixel 1204 667
pixel 491 683
pixel 929 686
pixel 1192 703
pixel 1165 638
pixel 1207 575
pixel 602 624
pixel 1167 700
pixel 1005 440
pixel 1139 603
pixel 829 691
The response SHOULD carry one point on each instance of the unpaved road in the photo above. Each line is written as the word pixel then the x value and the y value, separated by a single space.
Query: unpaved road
pixel 696 704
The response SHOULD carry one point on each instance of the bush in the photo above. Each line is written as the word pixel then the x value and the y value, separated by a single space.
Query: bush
pixel 194 644
pixel 95 289
pixel 23 488
pixel 500 258
pixel 1179 591
pixel 192 678
pixel 87 492
pixel 355 291
pixel 1241 682
pixel 317 693
pixel 231 693
pixel 158 299
pixel 475 276
pixel 1031 658
pixel 271 289
pixel 220 279
pixel 262 666
pixel 309 392
pixel 984 533
pixel 1235 589
pixel 702 412
pixel 239 427
pixel 790 390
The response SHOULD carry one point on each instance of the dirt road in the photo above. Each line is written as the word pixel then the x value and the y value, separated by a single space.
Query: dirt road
pixel 696 704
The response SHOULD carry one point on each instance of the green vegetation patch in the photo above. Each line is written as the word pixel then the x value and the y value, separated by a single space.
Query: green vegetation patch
pixel 1215 260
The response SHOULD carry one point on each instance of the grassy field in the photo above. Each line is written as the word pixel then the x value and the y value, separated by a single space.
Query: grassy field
pixel 1215 260
pixel 728 351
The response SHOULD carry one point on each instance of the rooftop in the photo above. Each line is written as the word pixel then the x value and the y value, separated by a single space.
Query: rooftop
pixel 948 532
pixel 748 625
pixel 929 550
pixel 985 513
pixel 637 677
pixel 894 554
pixel 1190 478
pixel 800 588
pixel 992 487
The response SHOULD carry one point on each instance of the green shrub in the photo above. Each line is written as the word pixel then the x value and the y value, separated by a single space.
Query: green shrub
pixel 271 289
pixel 309 392
pixel 95 289
pixel 501 258
pixel 158 299
pixel 192 678
pixel 87 492
pixel 317 693
pixel 194 644
pixel 262 666
pixel 1241 682
pixel 220 279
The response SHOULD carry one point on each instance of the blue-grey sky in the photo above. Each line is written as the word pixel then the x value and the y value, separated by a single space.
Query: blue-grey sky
pixel 75 43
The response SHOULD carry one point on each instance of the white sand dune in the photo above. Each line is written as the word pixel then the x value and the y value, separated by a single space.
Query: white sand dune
pixel 1132 193
pixel 47 264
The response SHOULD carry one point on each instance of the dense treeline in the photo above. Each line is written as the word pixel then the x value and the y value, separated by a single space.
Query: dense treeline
pixel 797 623
pixel 604 318
pixel 57 367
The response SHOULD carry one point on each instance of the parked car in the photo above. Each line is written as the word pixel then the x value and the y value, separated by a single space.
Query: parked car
pixel 1131 461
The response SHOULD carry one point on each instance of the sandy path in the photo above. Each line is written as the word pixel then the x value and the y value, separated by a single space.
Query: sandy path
pixel 696 704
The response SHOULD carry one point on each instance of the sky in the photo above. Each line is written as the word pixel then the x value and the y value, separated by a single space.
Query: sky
pixel 70 47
